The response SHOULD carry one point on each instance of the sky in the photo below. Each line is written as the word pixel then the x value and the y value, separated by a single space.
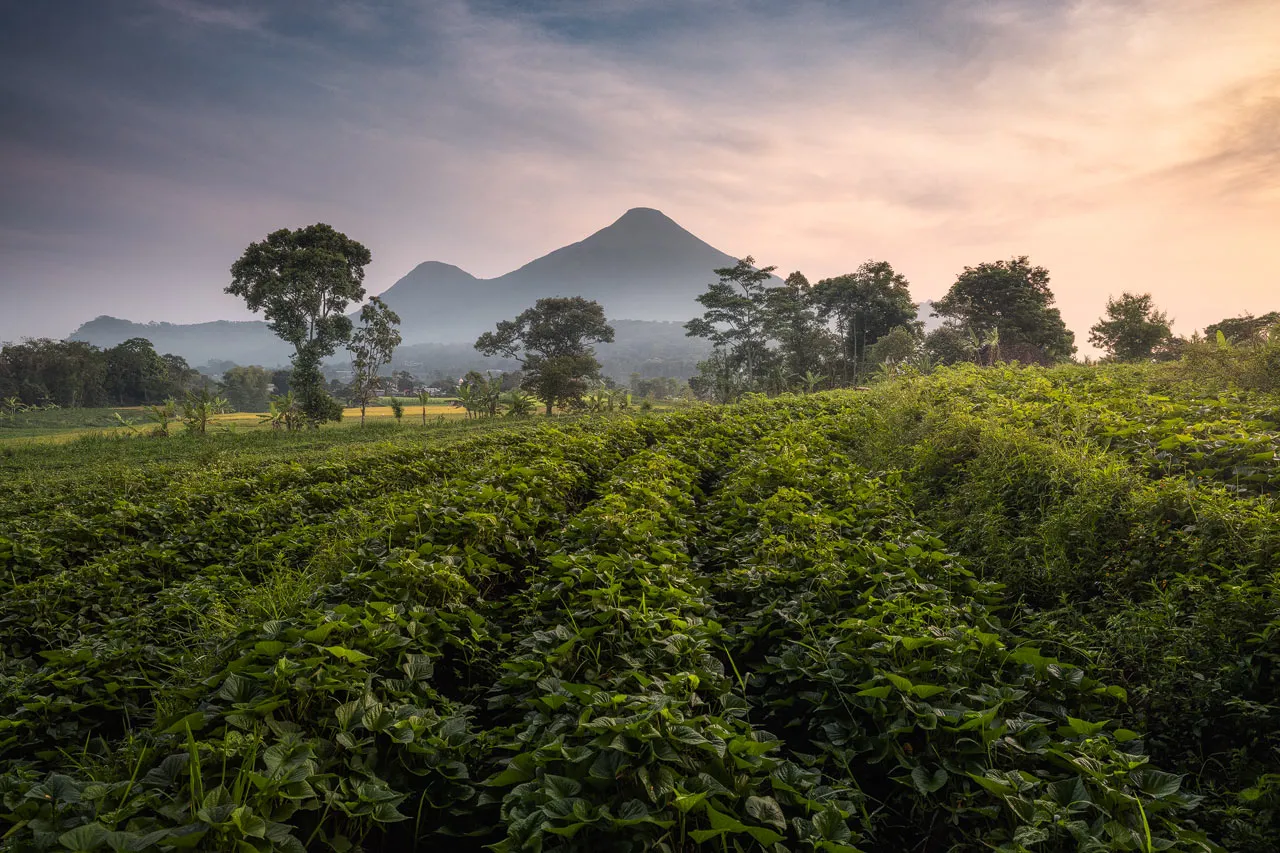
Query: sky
pixel 1126 146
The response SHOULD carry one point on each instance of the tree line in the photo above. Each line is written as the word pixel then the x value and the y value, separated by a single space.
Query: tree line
pixel 773 337
pixel 767 335
pixel 72 374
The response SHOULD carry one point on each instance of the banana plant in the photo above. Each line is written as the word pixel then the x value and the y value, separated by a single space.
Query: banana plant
pixel 160 415
pixel 811 381
pixel 490 396
pixel 424 397
pixel 198 410
pixel 597 399
pixel 519 404
pixel 468 399
pixel 285 413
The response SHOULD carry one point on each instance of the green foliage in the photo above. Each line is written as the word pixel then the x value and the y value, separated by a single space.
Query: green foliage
pixel 372 346
pixel 897 348
pixel 737 323
pixel 284 413
pixel 198 409
pixel 949 344
pixel 866 305
pixel 303 281
pixel 1131 522
pixel 552 341
pixel 1013 299
pixel 518 403
pixel 1251 365
pixel 246 388
pixel 1246 329
pixel 805 345
pixel 75 374
pixel 1133 330
pixel 938 615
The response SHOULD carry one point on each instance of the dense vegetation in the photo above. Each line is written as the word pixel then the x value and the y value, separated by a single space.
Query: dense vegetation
pixel 74 374
pixel 1010 609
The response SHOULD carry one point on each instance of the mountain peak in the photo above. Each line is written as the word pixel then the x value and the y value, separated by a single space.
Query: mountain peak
pixel 645 219
pixel 642 213
pixel 439 268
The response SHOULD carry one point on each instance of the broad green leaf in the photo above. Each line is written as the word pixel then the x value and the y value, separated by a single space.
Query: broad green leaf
pixel 926 782
pixel 352 655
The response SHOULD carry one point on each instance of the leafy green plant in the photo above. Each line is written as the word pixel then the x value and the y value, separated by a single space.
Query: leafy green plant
pixel 935 615
pixel 198 410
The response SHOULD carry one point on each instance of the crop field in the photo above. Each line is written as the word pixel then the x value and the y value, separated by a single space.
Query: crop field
pixel 60 425
pixel 987 609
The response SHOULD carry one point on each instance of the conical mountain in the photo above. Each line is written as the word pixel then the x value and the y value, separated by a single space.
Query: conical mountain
pixel 642 267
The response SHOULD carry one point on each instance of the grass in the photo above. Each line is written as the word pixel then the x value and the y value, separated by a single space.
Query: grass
pixel 70 451
pixel 59 426
pixel 43 422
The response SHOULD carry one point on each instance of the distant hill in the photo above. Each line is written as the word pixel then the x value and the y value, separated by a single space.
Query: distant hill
pixel 644 268
pixel 244 342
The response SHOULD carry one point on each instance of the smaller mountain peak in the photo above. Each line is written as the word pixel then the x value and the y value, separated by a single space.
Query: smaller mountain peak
pixel 437 266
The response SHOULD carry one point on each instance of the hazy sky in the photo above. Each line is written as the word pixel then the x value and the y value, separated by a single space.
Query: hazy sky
pixel 1124 145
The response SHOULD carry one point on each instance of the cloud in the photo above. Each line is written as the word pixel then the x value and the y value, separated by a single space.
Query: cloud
pixel 1126 145
pixel 244 18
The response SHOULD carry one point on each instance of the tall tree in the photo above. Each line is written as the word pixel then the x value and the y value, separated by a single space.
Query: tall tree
pixel 245 388
pixel 737 321
pixel 372 346
pixel 303 281
pixel 1246 329
pixel 552 341
pixel 181 376
pixel 1013 300
pixel 805 344
pixel 136 373
pixel 950 344
pixel 1132 329
pixel 866 304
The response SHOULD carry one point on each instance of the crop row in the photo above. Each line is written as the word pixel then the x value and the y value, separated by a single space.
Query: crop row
pixel 709 629
pixel 1161 583
pixel 1170 429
